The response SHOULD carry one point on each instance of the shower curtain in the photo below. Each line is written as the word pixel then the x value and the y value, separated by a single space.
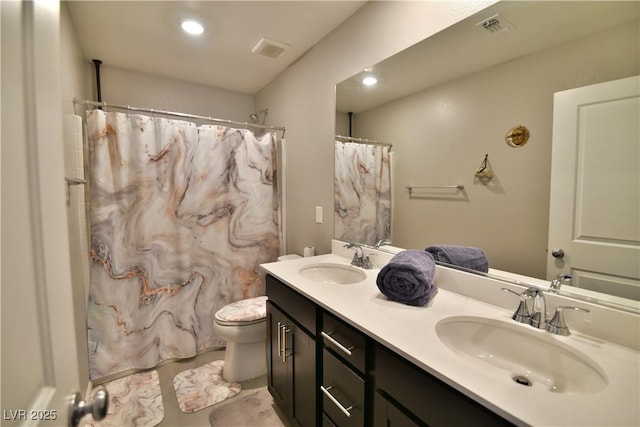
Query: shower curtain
pixel 362 192
pixel 181 217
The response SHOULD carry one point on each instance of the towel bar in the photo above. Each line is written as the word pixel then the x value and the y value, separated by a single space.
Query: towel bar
pixel 458 187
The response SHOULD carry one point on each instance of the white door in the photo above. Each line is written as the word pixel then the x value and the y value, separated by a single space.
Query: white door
pixel 594 215
pixel 39 344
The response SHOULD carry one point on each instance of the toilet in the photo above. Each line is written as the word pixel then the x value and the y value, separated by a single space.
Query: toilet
pixel 243 325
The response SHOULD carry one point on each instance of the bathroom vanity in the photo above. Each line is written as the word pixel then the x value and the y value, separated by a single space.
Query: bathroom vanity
pixel 342 354
pixel 322 368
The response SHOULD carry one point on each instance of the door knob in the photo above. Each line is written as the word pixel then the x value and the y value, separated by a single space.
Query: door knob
pixel 97 407
pixel 557 252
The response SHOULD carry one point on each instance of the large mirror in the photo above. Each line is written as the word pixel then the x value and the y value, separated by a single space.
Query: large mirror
pixel 448 103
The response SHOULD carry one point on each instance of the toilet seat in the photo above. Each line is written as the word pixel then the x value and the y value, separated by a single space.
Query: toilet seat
pixel 243 313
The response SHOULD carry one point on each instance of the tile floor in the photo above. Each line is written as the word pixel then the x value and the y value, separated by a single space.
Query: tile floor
pixel 173 416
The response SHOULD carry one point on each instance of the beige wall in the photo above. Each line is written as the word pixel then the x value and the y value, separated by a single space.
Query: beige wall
pixel 126 87
pixel 441 135
pixel 302 98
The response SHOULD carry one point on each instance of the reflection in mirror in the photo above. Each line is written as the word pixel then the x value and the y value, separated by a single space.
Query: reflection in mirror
pixel 450 100
pixel 362 191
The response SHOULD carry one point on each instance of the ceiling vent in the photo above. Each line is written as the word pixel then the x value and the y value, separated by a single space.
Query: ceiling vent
pixel 270 48
pixel 495 24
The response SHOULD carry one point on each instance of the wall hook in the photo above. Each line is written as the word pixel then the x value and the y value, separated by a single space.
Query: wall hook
pixel 484 171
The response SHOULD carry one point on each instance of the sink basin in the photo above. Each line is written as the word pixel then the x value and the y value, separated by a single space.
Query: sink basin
pixel 337 274
pixel 528 356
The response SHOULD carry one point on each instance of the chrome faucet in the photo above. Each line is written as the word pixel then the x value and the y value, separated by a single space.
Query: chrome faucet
pixel 537 316
pixel 382 242
pixel 359 260
pixel 558 281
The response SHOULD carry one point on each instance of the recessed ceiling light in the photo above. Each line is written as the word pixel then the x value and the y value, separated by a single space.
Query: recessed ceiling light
pixel 192 27
pixel 369 81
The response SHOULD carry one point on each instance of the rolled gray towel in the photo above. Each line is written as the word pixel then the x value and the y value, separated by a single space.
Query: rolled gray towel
pixel 462 256
pixel 407 278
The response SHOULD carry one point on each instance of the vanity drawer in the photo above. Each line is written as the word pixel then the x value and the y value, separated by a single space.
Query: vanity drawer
pixel 344 340
pixel 295 305
pixel 342 391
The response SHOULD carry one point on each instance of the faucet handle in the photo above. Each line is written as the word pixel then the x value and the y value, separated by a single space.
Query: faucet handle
pixel 539 311
pixel 366 263
pixel 522 313
pixel 357 260
pixel 557 324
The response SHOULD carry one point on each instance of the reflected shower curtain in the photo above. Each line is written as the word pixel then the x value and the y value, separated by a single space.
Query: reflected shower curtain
pixel 362 192
pixel 181 217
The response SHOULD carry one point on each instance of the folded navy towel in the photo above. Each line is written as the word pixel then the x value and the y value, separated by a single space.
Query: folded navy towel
pixel 462 256
pixel 407 278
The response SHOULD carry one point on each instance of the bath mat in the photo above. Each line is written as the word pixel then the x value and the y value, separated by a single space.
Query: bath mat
pixel 135 400
pixel 253 410
pixel 201 387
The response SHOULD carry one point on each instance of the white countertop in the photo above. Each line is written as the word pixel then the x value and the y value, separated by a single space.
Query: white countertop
pixel 411 333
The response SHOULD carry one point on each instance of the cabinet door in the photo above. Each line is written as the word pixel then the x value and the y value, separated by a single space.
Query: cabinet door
pixel 291 359
pixel 387 414
pixel 302 348
pixel 278 377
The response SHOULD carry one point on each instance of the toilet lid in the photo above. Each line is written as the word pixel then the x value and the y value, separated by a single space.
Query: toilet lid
pixel 245 311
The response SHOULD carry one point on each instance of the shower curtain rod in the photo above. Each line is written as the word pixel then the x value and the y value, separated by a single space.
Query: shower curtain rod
pixel 365 141
pixel 174 114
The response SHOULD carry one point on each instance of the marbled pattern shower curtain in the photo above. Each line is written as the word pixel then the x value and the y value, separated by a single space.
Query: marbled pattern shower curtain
pixel 362 192
pixel 181 217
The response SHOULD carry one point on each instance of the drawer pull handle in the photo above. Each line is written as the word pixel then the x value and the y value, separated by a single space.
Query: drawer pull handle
pixel 335 401
pixel 342 348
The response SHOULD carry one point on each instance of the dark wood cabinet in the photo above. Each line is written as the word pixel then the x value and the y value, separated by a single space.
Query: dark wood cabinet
pixel 291 361
pixel 411 396
pixel 363 382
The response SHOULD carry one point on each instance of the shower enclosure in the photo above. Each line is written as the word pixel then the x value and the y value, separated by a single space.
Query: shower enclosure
pixel 181 217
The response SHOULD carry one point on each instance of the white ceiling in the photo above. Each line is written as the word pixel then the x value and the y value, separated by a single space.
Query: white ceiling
pixel 145 36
